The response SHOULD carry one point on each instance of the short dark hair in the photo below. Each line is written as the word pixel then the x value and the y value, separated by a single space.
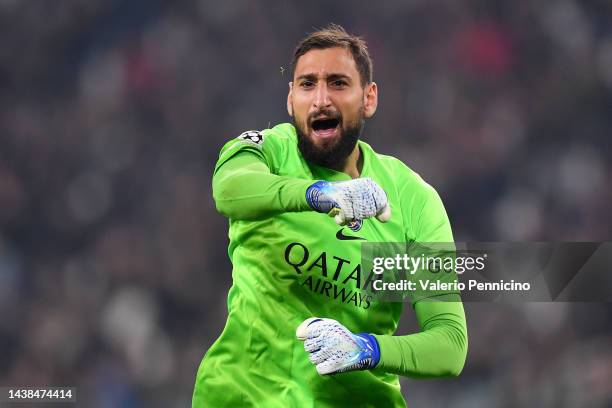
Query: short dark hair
pixel 335 35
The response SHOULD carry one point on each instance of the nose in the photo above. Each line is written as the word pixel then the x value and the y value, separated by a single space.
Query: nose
pixel 321 99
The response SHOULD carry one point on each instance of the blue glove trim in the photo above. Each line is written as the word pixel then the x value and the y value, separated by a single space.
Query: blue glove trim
pixel 317 199
pixel 371 347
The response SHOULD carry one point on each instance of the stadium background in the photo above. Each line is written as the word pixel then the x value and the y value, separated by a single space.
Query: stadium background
pixel 113 265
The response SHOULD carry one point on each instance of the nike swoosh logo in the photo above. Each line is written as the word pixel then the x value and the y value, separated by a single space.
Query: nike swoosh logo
pixel 343 237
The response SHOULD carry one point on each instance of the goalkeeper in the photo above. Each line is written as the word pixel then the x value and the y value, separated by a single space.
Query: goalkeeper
pixel 296 271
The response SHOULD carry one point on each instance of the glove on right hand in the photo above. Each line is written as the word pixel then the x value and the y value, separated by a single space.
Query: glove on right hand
pixel 351 200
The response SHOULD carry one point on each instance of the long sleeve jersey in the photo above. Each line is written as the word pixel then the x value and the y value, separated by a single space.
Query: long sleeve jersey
pixel 291 263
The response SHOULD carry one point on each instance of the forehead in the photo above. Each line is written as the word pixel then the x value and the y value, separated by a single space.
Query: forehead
pixel 321 62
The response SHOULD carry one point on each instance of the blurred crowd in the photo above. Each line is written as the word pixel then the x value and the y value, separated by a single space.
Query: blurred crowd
pixel 113 260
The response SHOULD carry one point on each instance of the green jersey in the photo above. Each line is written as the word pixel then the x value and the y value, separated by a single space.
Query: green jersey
pixel 291 263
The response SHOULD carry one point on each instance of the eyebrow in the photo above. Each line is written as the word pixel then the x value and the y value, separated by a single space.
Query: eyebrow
pixel 330 77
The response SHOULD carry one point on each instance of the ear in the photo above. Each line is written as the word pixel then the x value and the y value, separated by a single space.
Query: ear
pixel 370 99
pixel 290 100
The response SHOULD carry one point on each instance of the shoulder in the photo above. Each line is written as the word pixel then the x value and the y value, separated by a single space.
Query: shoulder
pixel 395 172
pixel 270 144
pixel 283 133
pixel 278 137
pixel 417 202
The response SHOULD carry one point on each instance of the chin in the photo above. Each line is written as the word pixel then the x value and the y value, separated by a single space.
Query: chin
pixel 326 143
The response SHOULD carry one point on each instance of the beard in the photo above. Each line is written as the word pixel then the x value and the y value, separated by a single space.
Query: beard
pixel 330 153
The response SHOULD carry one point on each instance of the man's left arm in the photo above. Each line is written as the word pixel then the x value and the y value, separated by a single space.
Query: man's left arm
pixel 440 348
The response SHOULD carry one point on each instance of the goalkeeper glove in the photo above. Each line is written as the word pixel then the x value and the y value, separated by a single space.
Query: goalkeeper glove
pixel 334 349
pixel 351 200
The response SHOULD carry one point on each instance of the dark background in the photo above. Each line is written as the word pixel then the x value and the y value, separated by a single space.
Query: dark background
pixel 113 262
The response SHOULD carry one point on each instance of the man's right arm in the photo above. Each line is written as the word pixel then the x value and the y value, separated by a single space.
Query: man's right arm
pixel 245 189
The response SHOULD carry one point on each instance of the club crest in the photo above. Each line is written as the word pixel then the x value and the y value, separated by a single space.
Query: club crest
pixel 355 225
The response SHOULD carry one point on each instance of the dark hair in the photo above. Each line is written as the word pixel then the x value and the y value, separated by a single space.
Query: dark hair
pixel 335 35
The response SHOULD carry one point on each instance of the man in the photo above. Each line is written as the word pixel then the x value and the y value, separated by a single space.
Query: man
pixel 296 271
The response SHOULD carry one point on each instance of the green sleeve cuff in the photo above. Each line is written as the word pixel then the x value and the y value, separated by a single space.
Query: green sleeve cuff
pixel 293 195
pixel 391 354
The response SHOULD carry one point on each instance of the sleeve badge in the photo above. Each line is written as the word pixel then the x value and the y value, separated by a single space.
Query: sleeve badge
pixel 252 136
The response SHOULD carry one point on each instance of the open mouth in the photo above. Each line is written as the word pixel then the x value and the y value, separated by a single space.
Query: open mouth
pixel 326 127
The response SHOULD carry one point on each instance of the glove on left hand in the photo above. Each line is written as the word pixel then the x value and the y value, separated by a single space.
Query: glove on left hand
pixel 334 349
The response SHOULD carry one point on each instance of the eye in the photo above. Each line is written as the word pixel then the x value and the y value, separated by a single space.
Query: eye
pixel 339 83
pixel 306 84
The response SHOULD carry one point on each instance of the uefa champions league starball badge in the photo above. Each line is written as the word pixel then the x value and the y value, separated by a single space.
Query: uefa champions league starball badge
pixel 252 136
